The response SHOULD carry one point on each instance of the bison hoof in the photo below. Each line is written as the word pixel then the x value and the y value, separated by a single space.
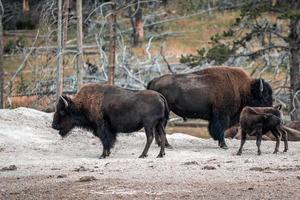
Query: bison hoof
pixel 160 155
pixel 258 153
pixel 285 150
pixel 168 146
pixel 142 156
pixel 239 153
pixel 102 157
pixel 223 146
pixel 275 152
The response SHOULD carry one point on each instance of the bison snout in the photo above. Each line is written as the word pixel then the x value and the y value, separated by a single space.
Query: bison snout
pixel 56 127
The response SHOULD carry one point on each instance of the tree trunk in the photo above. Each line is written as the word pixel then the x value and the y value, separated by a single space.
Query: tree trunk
pixel 165 2
pixel 136 18
pixel 66 21
pixel 294 44
pixel 26 6
pixel 139 28
pixel 60 69
pixel 1 58
pixel 79 43
pixel 112 46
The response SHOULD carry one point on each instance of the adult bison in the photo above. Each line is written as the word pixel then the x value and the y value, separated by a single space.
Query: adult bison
pixel 216 94
pixel 107 110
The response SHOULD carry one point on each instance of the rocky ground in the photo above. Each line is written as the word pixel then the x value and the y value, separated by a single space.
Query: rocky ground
pixel 35 163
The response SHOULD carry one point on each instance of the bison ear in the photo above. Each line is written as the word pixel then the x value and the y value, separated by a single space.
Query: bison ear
pixel 257 88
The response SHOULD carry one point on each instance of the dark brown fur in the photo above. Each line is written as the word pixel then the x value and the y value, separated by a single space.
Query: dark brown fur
pixel 216 94
pixel 107 110
pixel 258 121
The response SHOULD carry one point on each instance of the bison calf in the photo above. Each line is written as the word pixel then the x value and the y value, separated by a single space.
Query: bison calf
pixel 107 110
pixel 258 121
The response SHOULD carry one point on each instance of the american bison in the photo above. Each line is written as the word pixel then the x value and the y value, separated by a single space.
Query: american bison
pixel 107 110
pixel 216 94
pixel 258 121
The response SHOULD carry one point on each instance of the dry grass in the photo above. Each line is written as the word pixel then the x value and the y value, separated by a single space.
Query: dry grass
pixel 196 33
pixel 194 131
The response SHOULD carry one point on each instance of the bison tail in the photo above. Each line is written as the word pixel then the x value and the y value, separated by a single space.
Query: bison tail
pixel 167 109
pixel 149 85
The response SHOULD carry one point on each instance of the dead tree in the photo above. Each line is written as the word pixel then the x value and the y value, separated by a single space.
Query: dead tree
pixel 79 43
pixel 26 6
pixel 294 45
pixel 1 58
pixel 136 18
pixel 60 70
pixel 66 21
pixel 112 45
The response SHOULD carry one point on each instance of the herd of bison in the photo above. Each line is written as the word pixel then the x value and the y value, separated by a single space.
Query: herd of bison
pixel 224 96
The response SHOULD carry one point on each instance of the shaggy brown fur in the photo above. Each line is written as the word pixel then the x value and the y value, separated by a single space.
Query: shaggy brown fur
pixel 216 94
pixel 258 121
pixel 107 110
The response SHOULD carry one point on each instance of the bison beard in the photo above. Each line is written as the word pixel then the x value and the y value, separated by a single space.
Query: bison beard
pixel 107 110
pixel 216 94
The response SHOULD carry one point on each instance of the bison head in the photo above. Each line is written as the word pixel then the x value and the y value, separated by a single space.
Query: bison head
pixel 261 92
pixel 65 117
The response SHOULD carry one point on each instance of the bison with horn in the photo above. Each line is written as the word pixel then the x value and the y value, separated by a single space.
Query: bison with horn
pixel 107 110
pixel 216 94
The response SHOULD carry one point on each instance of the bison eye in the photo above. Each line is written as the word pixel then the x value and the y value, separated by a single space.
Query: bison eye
pixel 62 112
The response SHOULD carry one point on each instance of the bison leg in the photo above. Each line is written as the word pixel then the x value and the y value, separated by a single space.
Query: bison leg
pixel 162 134
pixel 277 136
pixel 149 134
pixel 104 154
pixel 216 127
pixel 167 144
pixel 243 140
pixel 107 139
pixel 258 140
pixel 285 138
pixel 158 141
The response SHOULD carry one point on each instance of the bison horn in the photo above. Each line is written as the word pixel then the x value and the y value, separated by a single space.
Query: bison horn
pixel 65 101
pixel 261 86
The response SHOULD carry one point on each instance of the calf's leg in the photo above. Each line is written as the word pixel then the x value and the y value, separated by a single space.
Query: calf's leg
pixel 258 140
pixel 243 140
pixel 277 136
pixel 285 138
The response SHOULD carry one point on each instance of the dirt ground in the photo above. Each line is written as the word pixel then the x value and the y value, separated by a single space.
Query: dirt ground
pixel 35 163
